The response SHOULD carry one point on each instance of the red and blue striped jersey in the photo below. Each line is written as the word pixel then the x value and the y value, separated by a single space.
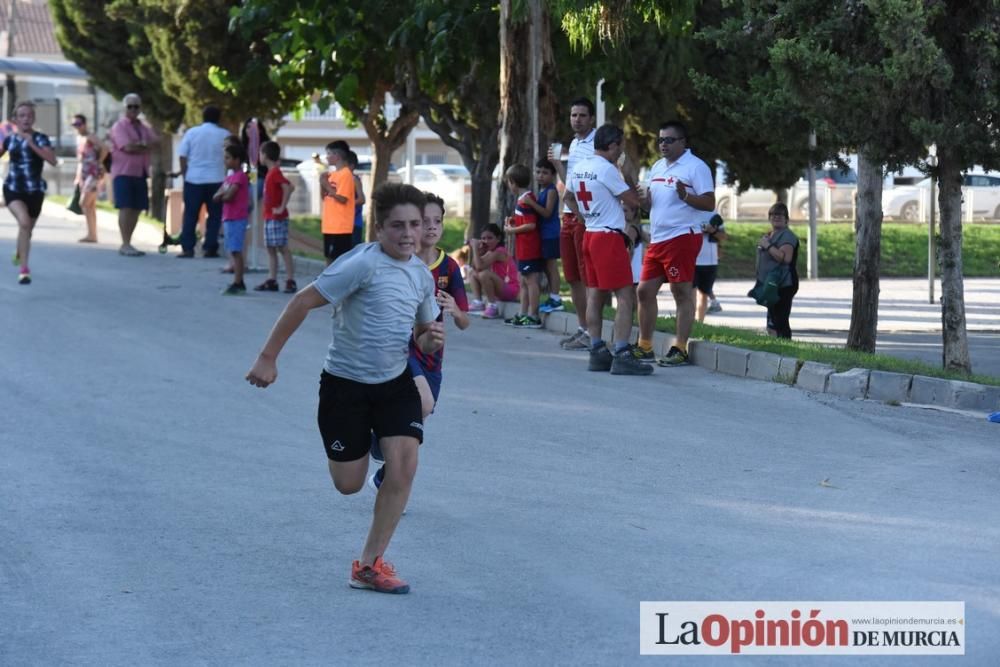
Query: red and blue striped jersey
pixel 447 278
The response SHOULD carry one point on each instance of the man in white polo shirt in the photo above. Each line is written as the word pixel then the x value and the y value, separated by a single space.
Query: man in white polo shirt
pixel 600 191
pixel 680 188
pixel 203 170
pixel 581 119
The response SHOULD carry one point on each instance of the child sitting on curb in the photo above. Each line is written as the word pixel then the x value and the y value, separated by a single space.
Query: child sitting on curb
pixel 493 274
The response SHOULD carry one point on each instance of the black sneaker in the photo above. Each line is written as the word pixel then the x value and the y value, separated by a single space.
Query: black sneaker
pixel 674 358
pixel 528 322
pixel 627 363
pixel 210 254
pixel 513 321
pixel 645 356
pixel 235 289
pixel 600 359
pixel 269 285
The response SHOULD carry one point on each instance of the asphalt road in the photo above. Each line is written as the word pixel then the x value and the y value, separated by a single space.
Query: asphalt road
pixel 157 510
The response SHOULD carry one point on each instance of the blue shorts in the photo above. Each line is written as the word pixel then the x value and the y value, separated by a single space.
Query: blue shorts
pixel 130 192
pixel 235 231
pixel 550 248
pixel 531 266
pixel 433 377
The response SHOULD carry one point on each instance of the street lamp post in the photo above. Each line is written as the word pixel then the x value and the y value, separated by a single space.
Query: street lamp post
pixel 931 253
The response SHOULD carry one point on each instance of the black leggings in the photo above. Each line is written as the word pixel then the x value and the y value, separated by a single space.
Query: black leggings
pixel 777 315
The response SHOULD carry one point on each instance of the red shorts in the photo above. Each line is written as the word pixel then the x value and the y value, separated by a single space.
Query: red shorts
pixel 672 260
pixel 571 248
pixel 606 259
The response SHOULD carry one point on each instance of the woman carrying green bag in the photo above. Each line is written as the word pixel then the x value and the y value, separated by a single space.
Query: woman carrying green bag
pixel 776 249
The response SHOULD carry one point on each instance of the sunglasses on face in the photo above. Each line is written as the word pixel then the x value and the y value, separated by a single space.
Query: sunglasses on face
pixel 668 140
pixel 133 106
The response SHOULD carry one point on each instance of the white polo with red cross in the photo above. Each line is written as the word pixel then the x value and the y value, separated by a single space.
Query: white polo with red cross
pixel 579 149
pixel 597 186
pixel 669 216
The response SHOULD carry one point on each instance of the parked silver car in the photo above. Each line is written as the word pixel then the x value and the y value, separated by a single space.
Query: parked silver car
pixel 836 189
pixel 911 202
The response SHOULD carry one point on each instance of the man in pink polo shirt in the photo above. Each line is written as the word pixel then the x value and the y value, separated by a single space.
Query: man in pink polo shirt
pixel 131 142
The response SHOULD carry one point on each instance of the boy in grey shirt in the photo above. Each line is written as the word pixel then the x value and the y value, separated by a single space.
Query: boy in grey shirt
pixel 382 294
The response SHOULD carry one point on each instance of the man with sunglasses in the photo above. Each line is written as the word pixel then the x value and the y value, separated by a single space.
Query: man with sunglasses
pixel 131 142
pixel 680 188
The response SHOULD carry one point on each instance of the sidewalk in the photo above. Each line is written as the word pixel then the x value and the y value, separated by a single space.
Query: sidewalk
pixel 909 327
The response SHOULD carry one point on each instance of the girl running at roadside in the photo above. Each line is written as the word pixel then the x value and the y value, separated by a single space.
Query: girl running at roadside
pixel 24 188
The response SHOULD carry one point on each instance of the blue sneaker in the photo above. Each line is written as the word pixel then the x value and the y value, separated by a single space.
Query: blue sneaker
pixel 375 481
pixel 551 306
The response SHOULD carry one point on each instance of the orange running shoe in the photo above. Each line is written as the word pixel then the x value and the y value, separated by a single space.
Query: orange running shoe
pixel 380 577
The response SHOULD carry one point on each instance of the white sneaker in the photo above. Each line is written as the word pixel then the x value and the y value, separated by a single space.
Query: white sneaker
pixel 477 305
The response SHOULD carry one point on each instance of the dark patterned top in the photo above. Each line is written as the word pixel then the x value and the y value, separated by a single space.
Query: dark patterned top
pixel 25 173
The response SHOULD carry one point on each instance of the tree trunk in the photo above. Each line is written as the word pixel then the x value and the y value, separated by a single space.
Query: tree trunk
pixel 526 96
pixel 867 254
pixel 385 140
pixel 479 214
pixel 161 160
pixel 955 349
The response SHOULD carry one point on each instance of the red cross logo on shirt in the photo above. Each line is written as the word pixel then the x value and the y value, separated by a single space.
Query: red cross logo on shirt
pixel 670 181
pixel 583 196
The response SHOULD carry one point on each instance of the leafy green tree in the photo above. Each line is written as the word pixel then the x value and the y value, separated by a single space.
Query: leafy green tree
pixel 452 76
pixel 117 55
pixel 326 52
pixel 891 77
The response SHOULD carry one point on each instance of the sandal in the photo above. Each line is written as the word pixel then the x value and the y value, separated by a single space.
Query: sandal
pixel 269 285
pixel 290 287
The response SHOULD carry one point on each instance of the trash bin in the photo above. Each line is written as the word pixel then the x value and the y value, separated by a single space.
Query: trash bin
pixel 175 212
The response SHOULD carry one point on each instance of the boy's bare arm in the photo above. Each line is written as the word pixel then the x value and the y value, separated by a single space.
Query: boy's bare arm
pixel 543 211
pixel 286 194
pixel 265 369
pixel 226 192
pixel 429 337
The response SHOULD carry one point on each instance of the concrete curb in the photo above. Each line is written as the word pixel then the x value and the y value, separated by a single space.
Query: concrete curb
pixel 856 383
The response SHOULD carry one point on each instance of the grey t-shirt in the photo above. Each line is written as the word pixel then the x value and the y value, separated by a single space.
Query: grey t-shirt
pixel 765 262
pixel 376 300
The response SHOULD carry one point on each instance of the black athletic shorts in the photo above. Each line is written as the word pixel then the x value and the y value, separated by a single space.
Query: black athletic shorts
pixel 704 278
pixel 335 245
pixel 32 200
pixel 349 412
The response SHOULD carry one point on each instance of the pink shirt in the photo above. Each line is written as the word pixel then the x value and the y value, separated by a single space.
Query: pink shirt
pixel 126 132
pixel 237 208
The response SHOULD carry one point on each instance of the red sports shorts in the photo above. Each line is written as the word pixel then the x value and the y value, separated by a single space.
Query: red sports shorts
pixel 672 260
pixel 571 248
pixel 606 259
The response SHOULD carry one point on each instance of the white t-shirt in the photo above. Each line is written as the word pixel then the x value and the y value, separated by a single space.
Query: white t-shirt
pixel 669 216
pixel 597 185
pixel 202 147
pixel 377 300
pixel 579 149
pixel 709 254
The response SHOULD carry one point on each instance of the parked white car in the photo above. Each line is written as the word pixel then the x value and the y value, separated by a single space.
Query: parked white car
pixel 451 182
pixel 911 202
